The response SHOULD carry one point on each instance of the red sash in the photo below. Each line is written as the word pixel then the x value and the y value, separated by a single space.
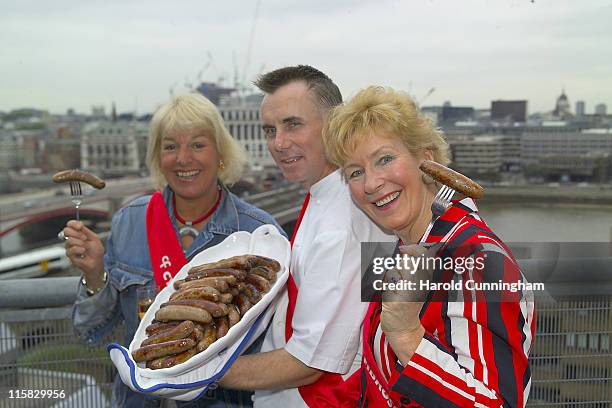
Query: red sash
pixel 330 390
pixel 377 390
pixel 167 257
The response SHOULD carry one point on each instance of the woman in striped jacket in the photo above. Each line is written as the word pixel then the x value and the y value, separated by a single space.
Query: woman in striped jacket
pixel 447 342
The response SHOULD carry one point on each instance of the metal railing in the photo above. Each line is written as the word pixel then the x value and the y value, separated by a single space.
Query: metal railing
pixel 43 364
pixel 571 358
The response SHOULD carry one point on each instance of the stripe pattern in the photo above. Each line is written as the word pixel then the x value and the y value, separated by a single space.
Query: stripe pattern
pixel 475 349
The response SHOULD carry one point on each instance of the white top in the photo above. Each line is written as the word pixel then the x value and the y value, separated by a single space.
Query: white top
pixel 326 265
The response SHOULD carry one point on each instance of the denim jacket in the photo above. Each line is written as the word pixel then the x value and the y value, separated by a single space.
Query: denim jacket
pixel 128 263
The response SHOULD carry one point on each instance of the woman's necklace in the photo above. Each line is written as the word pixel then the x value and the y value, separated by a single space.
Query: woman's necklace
pixel 187 229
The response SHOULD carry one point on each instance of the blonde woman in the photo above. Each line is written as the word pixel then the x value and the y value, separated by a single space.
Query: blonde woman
pixel 192 158
pixel 428 350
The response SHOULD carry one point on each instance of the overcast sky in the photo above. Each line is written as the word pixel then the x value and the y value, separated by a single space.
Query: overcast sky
pixel 65 54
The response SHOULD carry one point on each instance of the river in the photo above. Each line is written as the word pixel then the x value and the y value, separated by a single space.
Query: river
pixel 534 222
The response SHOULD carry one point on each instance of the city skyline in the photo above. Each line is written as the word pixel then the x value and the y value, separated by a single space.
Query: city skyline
pixel 72 55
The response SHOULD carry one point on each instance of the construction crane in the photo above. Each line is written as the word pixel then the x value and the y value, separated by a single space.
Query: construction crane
pixel 420 101
pixel 172 88
pixel 203 70
pixel 247 59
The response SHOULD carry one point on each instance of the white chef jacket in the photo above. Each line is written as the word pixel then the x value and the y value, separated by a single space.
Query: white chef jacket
pixel 325 264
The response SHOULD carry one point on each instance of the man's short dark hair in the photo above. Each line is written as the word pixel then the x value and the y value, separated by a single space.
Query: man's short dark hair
pixel 326 92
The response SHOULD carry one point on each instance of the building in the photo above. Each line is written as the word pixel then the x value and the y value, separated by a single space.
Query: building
pixel 477 156
pixel 34 145
pixel 114 149
pixel 63 147
pixel 11 150
pixel 485 156
pixel 568 153
pixel 453 114
pixel 97 112
pixel 214 92
pixel 63 150
pixel 601 109
pixel 241 116
pixel 562 107
pixel 580 108
pixel 509 111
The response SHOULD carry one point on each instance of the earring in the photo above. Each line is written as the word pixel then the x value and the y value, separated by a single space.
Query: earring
pixel 221 165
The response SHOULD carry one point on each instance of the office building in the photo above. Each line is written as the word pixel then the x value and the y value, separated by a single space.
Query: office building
pixel 214 92
pixel 114 149
pixel 453 114
pixel 242 118
pixel 580 108
pixel 509 111
pixel 601 109
pixel 568 153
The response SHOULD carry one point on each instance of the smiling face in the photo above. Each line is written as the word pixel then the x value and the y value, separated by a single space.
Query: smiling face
pixel 386 183
pixel 292 123
pixel 189 162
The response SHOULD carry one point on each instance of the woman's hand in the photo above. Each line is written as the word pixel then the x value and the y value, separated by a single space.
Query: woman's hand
pixel 86 251
pixel 399 318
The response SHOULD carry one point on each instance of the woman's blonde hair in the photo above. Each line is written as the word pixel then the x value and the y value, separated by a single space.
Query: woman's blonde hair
pixel 193 112
pixel 377 108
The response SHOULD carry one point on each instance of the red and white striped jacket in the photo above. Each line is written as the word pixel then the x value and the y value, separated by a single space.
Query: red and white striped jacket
pixel 474 352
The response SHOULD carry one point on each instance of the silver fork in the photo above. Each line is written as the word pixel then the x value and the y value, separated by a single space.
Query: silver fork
pixel 76 192
pixel 440 204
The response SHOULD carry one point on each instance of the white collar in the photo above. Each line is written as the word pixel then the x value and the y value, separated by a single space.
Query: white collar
pixel 326 185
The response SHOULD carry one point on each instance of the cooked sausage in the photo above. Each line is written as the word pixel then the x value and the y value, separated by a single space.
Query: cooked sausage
pixel 239 262
pixel 269 263
pixel 153 351
pixel 230 280
pixel 264 272
pixel 239 274
pixel 226 298
pixel 171 361
pixel 177 283
pixel 234 262
pixel 222 324
pixel 78 175
pixel 220 284
pixel 234 315
pixel 451 178
pixel 252 293
pixel 181 312
pixel 181 331
pixel 156 364
pixel 261 283
pixel 215 309
pixel 202 292
pixel 210 335
pixel 198 333
pixel 243 303
pixel 159 326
